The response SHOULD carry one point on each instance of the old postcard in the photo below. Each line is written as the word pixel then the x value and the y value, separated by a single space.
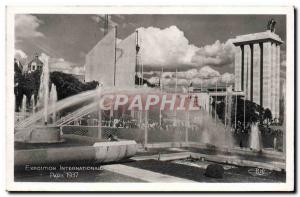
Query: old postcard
pixel 150 98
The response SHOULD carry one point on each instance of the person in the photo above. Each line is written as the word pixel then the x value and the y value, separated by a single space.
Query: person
pixel 113 138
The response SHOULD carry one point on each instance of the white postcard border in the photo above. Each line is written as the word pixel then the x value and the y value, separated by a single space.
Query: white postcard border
pixel 39 186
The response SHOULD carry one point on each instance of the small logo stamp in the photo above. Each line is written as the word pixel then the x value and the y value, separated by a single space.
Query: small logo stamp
pixel 259 172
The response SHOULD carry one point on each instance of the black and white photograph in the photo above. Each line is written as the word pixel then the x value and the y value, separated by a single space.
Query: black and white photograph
pixel 150 99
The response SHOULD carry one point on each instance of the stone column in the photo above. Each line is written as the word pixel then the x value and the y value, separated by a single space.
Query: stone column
pixel 273 80
pixel 256 73
pixel 277 107
pixel 238 68
pixel 247 71
pixel 267 62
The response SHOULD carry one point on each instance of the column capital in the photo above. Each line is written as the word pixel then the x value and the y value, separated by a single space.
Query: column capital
pixel 260 37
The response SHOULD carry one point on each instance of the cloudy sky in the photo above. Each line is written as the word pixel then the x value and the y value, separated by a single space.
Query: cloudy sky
pixel 189 43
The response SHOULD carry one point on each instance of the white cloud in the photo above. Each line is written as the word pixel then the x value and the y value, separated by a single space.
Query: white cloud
pixel 218 54
pixel 26 26
pixel 168 81
pixel 65 66
pixel 61 65
pixel 227 78
pixel 78 70
pixel 43 56
pixel 198 81
pixel 201 76
pixel 153 80
pixel 207 72
pixel 170 48
pixel 182 82
pixel 189 74
pixel 165 47
pixel 21 57
pixel 19 54
pixel 167 74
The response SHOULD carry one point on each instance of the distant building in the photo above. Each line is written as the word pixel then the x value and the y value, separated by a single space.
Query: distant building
pixel 213 88
pixel 35 64
pixel 110 63
pixel 100 61
pixel 257 68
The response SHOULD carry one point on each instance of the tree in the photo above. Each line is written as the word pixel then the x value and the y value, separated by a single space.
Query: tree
pixel 68 85
pixel 18 80
pixel 140 81
pixel 32 84
pixel 253 111
pixel 25 84
pixel 267 115
pixel 221 110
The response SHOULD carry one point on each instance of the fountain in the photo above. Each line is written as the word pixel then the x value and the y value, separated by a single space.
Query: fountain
pixel 32 101
pixel 209 131
pixel 23 108
pixel 52 101
pixel 32 131
pixel 43 95
pixel 41 133
pixel 255 138
pixel 205 137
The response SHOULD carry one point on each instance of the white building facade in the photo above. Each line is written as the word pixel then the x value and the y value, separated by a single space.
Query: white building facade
pixel 257 68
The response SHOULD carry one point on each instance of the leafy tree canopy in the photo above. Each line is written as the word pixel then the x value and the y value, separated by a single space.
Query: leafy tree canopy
pixel 66 85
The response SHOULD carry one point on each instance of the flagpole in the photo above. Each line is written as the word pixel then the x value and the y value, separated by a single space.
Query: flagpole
pixel 216 101
pixel 105 24
pixel 176 81
pixel 161 90
pixel 161 76
pixel 136 57
pixel 226 100
pixel 115 66
pixel 142 74
pixel 176 96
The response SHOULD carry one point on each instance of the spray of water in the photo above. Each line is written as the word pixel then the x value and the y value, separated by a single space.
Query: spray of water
pixel 43 95
pixel 52 101
pixel 255 138
pixel 32 102
pixel 24 107
pixel 77 99
pixel 209 131
pixel 205 137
